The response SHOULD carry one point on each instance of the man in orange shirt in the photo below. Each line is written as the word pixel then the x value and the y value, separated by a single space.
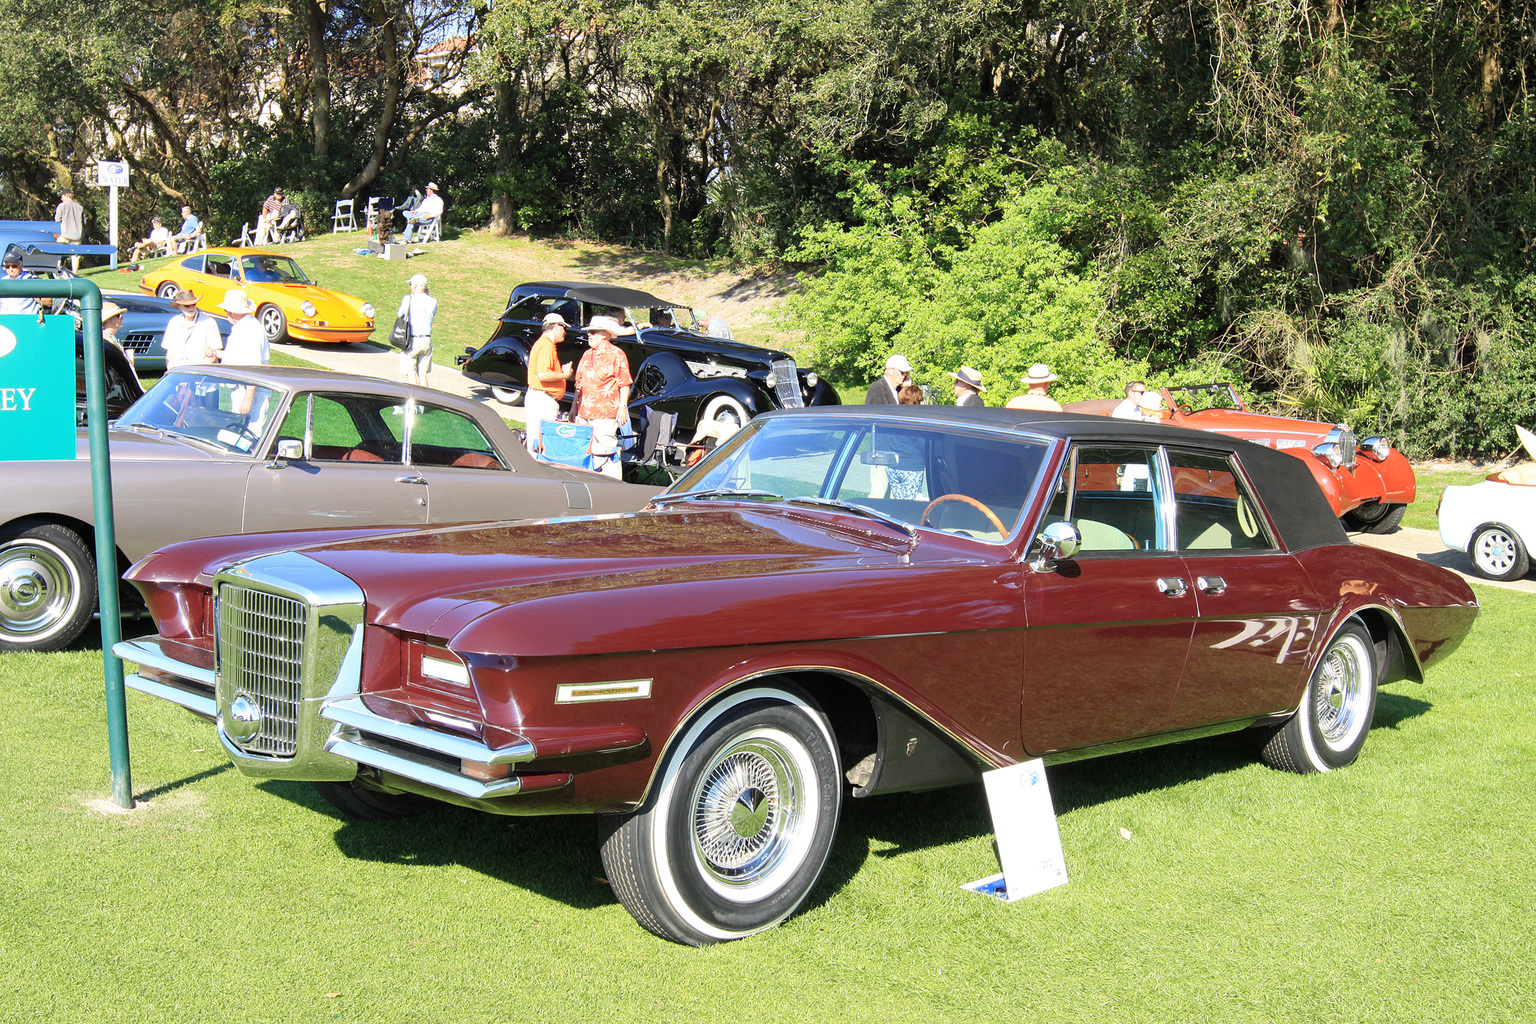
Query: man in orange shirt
pixel 546 379
pixel 602 391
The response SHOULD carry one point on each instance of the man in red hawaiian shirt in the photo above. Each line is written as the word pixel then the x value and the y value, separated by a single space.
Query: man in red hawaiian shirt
pixel 602 391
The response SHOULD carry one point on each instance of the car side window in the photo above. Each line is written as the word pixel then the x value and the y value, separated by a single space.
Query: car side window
pixel 1110 494
pixel 1214 509
pixel 440 437
pixel 355 428
pixel 218 265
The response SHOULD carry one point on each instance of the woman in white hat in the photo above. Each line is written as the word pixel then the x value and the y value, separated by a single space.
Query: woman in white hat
pixel 247 344
pixel 418 307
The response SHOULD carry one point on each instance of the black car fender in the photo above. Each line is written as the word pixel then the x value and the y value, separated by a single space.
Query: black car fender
pixel 500 362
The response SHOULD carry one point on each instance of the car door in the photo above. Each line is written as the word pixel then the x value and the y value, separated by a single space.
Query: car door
pixel 468 479
pixel 352 473
pixel 1258 610
pixel 1109 629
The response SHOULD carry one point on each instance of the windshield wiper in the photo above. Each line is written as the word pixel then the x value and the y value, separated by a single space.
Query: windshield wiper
pixel 714 492
pixel 863 510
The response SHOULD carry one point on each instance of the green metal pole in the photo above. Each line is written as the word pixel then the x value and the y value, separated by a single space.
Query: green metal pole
pixel 101 493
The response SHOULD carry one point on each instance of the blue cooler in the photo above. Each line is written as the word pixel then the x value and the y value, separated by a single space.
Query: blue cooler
pixel 567 443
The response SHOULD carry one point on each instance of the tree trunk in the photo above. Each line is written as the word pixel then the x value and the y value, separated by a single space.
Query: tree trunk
pixel 319 75
pixel 503 219
pixel 394 74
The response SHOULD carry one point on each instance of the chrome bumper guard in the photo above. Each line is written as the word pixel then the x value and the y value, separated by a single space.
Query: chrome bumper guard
pixel 358 733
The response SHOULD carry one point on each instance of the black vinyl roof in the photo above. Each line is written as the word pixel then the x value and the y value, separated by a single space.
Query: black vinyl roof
pixel 602 294
pixel 1285 484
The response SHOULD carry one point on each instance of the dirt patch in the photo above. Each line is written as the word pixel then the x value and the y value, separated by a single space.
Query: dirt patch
pixel 745 297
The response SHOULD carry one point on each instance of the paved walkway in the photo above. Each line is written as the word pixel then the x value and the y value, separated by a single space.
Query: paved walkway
pixel 367 359
pixel 1426 547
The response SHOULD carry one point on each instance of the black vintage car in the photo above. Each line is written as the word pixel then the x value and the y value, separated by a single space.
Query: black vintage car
pixel 678 368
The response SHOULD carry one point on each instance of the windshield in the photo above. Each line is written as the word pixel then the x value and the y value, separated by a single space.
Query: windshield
pixel 223 413
pixel 931 474
pixel 273 269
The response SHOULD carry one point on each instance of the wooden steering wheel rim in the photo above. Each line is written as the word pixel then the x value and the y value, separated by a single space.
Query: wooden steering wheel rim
pixel 1001 532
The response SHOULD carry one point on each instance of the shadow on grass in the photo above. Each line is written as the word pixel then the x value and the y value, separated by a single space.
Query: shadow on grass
pixel 557 856
pixel 554 856
pixel 171 787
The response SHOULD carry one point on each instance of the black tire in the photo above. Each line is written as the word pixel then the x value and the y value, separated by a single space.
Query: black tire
pixel 508 396
pixel 738 827
pixel 358 801
pixel 47 587
pixel 1375 518
pixel 1497 553
pixel 273 323
pixel 168 289
pixel 1330 726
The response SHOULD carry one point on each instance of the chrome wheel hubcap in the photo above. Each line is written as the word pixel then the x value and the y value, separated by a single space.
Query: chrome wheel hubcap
pixel 744 812
pixel 1342 691
pixel 36 589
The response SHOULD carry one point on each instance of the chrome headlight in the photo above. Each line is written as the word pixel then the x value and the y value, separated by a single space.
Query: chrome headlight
pixel 367 310
pixel 811 380
pixel 1329 452
pixel 307 308
pixel 1376 447
pixel 772 380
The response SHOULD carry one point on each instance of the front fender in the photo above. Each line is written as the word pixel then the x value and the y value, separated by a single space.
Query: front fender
pixel 501 362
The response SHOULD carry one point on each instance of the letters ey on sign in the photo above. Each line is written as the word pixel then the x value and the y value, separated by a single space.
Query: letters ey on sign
pixel 37 388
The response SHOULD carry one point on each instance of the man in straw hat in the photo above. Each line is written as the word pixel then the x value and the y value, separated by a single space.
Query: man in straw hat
pixel 1039 380
pixel 191 339
pixel 968 388
pixel 602 391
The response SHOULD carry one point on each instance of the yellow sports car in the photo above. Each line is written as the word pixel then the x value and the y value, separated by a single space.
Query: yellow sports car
pixel 287 302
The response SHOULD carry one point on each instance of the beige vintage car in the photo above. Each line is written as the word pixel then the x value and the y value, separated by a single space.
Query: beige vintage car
pixel 220 450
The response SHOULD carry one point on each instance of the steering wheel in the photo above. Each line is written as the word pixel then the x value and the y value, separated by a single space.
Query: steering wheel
pixel 240 429
pixel 1001 532
pixel 1184 409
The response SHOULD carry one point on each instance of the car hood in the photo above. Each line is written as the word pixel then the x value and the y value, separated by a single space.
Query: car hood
pixel 132 446
pixel 323 298
pixel 694 346
pixel 662 579
pixel 1255 424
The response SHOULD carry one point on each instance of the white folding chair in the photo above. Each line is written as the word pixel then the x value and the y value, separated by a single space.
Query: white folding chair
pixel 342 219
pixel 244 240
pixel 430 230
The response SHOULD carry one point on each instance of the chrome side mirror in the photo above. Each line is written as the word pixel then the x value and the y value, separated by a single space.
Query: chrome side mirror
pixel 1057 541
pixel 290 449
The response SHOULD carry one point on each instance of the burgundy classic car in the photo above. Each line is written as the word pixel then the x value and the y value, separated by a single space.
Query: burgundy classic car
pixel 1368 483
pixel 836 604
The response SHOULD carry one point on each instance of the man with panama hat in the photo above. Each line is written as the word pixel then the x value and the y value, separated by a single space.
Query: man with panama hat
pixel 1039 380
pixel 602 391
pixel 968 387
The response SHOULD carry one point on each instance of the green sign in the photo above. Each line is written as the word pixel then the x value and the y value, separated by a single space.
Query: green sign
pixel 37 388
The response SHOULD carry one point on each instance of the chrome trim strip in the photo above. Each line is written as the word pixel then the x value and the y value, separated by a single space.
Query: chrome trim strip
pixel 617 689
pixel 348 743
pixel 351 714
pixel 149 654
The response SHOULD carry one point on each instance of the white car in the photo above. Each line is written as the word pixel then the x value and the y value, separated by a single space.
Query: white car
pixel 1494 521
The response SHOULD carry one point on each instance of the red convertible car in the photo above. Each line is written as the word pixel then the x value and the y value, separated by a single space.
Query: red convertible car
pixel 836 604
pixel 1368 483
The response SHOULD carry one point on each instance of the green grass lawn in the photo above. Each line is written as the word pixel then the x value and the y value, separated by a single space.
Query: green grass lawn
pixel 1400 889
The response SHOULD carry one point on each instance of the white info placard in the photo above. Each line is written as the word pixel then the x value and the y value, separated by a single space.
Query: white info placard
pixel 1028 841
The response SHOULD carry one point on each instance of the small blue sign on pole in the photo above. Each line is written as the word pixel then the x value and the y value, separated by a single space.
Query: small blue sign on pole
pixel 37 388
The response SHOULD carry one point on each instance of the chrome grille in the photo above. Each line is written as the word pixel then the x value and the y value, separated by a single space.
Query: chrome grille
pixel 786 384
pixel 261 651
pixel 1347 446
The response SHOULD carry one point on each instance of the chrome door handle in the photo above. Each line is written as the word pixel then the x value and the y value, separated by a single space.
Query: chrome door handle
pixel 414 478
pixel 1172 586
pixel 1210 584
